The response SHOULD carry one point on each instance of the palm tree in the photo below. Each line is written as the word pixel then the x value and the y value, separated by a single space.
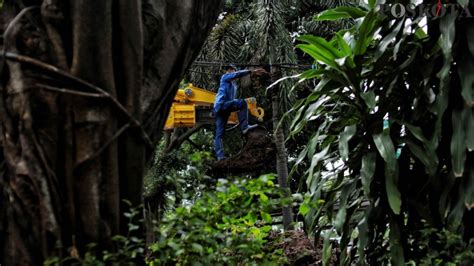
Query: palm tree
pixel 275 46
pixel 258 36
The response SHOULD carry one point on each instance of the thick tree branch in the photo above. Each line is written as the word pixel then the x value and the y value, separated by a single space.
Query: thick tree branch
pixel 176 142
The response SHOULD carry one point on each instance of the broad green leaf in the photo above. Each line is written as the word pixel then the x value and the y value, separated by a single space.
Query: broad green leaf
pixel 344 138
pixel 367 171
pixel 311 74
pixel 263 198
pixel 327 249
pixel 266 217
pixel 298 123
pixel 439 108
pixel 304 208
pixel 372 3
pixel 321 44
pixel 314 184
pixel 396 48
pixel 429 160
pixel 320 155
pixel 314 162
pixel 458 210
pixel 349 38
pixel 470 130
pixel 341 216
pixel 393 194
pixel 345 48
pixel 470 38
pixel 448 32
pixel 251 218
pixel 458 142
pixel 416 131
pixel 365 33
pixel 385 42
pixel 386 149
pixel 396 249
pixel 341 13
pixel 317 54
pixel 320 49
pixel 312 145
pixel 369 99
pixel 314 107
pixel 321 85
pixel 301 156
pixel 466 75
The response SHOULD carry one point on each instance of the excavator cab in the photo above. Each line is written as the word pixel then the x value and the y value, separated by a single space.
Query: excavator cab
pixel 193 105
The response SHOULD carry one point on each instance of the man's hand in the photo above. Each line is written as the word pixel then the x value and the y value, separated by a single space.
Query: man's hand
pixel 259 72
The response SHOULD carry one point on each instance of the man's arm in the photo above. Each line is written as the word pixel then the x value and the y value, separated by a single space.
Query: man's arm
pixel 237 74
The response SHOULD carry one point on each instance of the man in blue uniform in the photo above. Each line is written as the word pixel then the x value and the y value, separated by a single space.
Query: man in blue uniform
pixel 225 103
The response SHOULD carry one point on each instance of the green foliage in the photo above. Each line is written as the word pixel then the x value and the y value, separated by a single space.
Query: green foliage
pixel 130 247
pixel 229 226
pixel 180 174
pixel 450 249
pixel 341 12
pixel 393 116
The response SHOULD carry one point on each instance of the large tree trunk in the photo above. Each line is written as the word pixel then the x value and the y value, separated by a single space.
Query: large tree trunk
pixel 72 141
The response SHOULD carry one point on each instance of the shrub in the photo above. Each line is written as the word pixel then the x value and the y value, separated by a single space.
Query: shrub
pixel 228 226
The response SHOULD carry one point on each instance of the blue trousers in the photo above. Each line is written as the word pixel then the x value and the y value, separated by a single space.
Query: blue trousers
pixel 222 116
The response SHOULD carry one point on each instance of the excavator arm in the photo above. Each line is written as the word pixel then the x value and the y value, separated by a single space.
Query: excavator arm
pixel 193 105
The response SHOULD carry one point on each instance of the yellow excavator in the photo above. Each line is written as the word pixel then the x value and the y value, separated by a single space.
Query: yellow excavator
pixel 193 105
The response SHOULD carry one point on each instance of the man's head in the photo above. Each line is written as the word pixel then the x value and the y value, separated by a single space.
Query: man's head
pixel 230 68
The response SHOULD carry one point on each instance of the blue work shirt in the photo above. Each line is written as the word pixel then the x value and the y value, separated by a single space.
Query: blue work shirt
pixel 228 88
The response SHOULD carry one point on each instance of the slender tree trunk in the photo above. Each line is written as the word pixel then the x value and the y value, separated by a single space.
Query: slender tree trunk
pixel 281 156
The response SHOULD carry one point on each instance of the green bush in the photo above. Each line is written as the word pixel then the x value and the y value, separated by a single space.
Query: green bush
pixel 442 247
pixel 229 226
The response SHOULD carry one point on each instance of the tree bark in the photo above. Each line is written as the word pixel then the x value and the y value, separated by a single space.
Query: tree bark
pixel 71 136
pixel 281 155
